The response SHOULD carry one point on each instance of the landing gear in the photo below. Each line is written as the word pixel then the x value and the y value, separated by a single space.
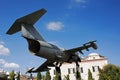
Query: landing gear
pixel 31 76
pixel 58 71
pixel 77 69
pixel 77 73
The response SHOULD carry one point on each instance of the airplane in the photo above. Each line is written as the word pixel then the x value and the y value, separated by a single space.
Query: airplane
pixel 38 46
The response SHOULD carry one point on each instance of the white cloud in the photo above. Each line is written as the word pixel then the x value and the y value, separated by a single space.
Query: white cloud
pixel 2 61
pixel 11 65
pixel 1 42
pixel 5 64
pixel 80 1
pixel 77 3
pixel 55 26
pixel 4 50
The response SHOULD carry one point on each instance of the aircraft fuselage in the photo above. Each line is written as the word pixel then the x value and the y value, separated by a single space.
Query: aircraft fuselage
pixel 46 50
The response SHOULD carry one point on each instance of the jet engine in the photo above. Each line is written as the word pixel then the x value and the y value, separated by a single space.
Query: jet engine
pixel 33 45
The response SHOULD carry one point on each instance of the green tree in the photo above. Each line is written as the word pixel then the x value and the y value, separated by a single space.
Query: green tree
pixel 78 76
pixel 43 77
pixel 56 76
pixel 12 75
pixel 67 77
pixel 109 72
pixel 39 76
pixel 5 76
pixel 48 77
pixel 90 75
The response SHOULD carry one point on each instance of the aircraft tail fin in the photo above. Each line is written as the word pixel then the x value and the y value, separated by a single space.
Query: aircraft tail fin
pixel 26 25
pixel 28 31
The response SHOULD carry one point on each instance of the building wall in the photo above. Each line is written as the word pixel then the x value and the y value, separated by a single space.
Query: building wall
pixel 93 66
pixel 93 61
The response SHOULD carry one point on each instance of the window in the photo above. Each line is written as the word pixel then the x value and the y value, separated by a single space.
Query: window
pixel 93 68
pixel 98 68
pixel 68 71
pixel 93 58
pixel 73 70
pixel 54 72
pixel 81 69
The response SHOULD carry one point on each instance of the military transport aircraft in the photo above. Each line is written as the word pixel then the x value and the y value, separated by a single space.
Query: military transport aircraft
pixel 41 48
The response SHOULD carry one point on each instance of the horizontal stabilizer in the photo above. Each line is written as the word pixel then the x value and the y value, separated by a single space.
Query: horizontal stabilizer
pixel 29 19
pixel 43 67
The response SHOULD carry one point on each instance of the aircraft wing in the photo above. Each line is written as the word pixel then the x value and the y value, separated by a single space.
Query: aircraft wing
pixel 43 67
pixel 73 50
pixel 84 47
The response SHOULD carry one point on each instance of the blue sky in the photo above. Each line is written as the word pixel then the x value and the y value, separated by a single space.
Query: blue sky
pixel 67 23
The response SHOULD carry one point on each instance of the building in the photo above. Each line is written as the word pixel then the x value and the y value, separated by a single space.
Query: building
pixel 93 62
pixel 5 76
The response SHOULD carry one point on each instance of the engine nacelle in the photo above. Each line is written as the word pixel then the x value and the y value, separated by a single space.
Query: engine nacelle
pixel 42 49
pixel 33 45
